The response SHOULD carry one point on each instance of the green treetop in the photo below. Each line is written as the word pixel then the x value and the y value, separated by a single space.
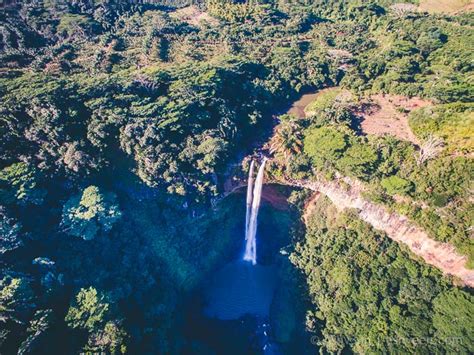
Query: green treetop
pixel 90 213
pixel 88 310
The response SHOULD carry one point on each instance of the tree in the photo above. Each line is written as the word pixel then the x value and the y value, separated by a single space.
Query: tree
pixel 75 158
pixel 10 235
pixel 359 161
pixel 88 310
pixel 204 151
pixel 287 140
pixel 430 40
pixel 90 213
pixel 429 149
pixel 16 299
pixel 110 340
pixel 453 320
pixel 403 9
pixel 396 185
pixel 39 325
pixel 325 143
pixel 46 130
pixel 18 183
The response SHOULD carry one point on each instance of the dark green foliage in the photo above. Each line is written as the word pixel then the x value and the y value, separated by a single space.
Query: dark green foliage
pixel 97 93
pixel 360 160
pixel 452 314
pixel 10 232
pixel 37 329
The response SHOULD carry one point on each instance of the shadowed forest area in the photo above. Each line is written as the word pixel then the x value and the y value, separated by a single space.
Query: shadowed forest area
pixel 122 123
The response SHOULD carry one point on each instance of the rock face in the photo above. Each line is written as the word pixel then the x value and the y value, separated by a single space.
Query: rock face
pixel 346 193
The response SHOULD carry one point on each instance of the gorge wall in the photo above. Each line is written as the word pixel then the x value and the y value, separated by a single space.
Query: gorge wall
pixel 346 193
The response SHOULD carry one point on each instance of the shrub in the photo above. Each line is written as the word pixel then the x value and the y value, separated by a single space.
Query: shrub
pixel 396 185
pixel 359 160
pixel 324 143
pixel 90 213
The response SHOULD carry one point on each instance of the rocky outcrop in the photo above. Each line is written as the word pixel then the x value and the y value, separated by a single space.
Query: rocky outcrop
pixel 346 193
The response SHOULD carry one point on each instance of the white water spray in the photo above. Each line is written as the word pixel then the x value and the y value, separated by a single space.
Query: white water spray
pixel 251 231
pixel 249 198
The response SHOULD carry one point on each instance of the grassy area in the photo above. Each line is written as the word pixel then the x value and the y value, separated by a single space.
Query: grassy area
pixel 437 6
pixel 452 122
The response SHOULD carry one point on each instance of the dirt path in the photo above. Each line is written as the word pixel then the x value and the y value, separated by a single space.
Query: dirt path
pixel 346 193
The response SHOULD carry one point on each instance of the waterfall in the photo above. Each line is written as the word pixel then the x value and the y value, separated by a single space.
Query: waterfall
pixel 251 232
pixel 249 198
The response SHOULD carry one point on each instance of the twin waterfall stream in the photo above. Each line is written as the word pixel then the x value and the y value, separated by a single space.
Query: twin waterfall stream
pixel 254 194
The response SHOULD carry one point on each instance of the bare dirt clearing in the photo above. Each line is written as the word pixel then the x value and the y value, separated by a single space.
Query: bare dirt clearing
pixel 194 16
pixel 388 114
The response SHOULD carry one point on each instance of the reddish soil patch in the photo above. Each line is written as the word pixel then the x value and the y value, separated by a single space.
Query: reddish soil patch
pixel 271 194
pixel 275 197
pixel 309 206
pixel 388 114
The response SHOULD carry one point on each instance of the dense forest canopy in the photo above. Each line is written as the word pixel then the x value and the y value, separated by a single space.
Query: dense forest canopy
pixel 122 120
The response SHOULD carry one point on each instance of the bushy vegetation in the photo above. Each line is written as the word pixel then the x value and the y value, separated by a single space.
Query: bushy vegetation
pixel 119 123
pixel 91 213
pixel 369 295
pixel 451 122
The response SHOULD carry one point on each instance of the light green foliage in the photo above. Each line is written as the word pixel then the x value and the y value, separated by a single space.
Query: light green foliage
pixel 230 11
pixel 16 298
pixel 396 185
pixel 88 311
pixel 325 144
pixel 72 23
pixel 452 122
pixel 110 340
pixel 359 160
pixel 18 183
pixel 369 296
pixel 331 107
pixel 90 213
pixel 324 101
